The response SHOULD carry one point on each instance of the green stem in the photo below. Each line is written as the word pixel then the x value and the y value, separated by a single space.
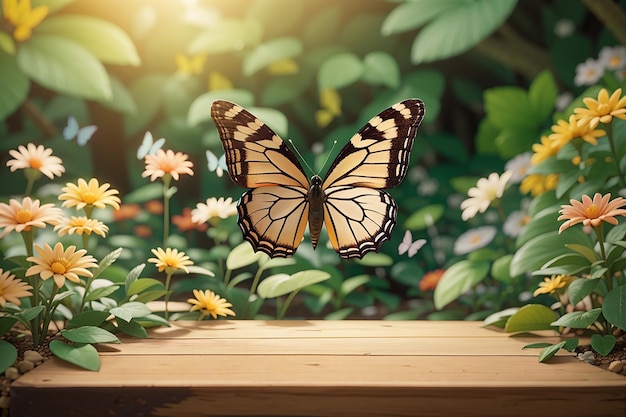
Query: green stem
pixel 285 305
pixel 87 287
pixel 29 237
pixel 255 281
pixel 166 208
pixel 609 134
pixel 49 312
pixel 600 235
pixel 168 278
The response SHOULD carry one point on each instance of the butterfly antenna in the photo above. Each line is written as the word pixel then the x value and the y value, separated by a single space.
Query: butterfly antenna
pixel 295 148
pixel 329 153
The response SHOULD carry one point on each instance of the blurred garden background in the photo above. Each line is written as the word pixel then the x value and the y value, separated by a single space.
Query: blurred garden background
pixel 101 82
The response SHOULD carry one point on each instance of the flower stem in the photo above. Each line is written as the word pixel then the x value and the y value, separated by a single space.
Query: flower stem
pixel 285 305
pixel 29 237
pixel 166 208
pixel 168 278
pixel 609 134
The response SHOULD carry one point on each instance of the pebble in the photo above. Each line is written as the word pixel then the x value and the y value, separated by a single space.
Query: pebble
pixel 616 366
pixel 4 402
pixel 33 356
pixel 12 373
pixel 25 366
pixel 587 357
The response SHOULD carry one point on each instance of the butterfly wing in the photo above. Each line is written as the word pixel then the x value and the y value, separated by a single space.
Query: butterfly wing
pixel 71 129
pixel 85 134
pixel 274 214
pixel 359 215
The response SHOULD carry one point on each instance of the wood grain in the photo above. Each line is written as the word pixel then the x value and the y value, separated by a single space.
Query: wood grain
pixel 311 368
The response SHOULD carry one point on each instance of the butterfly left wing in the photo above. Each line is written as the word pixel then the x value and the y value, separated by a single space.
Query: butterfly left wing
pixel 274 214
pixel 359 215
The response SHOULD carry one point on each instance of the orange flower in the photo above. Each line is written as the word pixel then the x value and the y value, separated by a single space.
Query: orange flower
pixel 126 211
pixel 37 158
pixel 167 162
pixel 61 264
pixel 603 109
pixel 11 289
pixel 185 223
pixel 29 213
pixel 430 279
pixel 592 212
pixel 154 207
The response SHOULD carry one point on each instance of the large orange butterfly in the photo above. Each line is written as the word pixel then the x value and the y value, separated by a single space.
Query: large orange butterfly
pixel 358 214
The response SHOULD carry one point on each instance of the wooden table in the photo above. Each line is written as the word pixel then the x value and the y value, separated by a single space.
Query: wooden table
pixel 322 368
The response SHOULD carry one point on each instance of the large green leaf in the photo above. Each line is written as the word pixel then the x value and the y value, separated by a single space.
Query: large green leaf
pixel 459 28
pixel 106 41
pixel 242 255
pixel 457 279
pixel 531 317
pixel 8 355
pixel 85 356
pixel 148 97
pixel 13 84
pixel 578 319
pixel 614 307
pixel 281 284
pixel 339 71
pixel 381 68
pixel 89 334
pixel 52 5
pixel 64 66
pixel 542 95
pixel 413 14
pixel 226 36
pixel 425 217
pixel 509 107
pixel 130 310
pixel 270 51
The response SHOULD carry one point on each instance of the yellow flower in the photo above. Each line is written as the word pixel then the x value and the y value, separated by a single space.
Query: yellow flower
pixel 189 65
pixel 544 150
pixel 222 208
pixel 564 132
pixel 61 264
pixel 592 212
pixel 37 158
pixel 167 162
pixel 603 109
pixel 330 101
pixel 218 81
pixel 23 17
pixel 170 260
pixel 207 302
pixel 11 289
pixel 22 216
pixel 537 184
pixel 285 66
pixel 553 283
pixel 81 225
pixel 90 195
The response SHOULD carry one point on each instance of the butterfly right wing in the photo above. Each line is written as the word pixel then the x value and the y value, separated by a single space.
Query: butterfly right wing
pixel 273 215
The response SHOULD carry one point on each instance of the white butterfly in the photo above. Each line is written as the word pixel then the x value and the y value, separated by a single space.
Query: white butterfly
pixel 216 164
pixel 408 246
pixel 149 146
pixel 81 134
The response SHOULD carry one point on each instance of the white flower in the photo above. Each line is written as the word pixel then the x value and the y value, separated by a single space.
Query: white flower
pixel 486 191
pixel 428 187
pixel 514 222
pixel 213 208
pixel 519 166
pixel 563 100
pixel 613 57
pixel 474 239
pixel 564 28
pixel 588 72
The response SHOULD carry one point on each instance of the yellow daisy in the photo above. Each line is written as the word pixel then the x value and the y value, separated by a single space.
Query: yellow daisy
pixel 89 195
pixel 564 132
pixel 167 162
pixel 170 260
pixel 603 109
pixel 544 150
pixel 537 184
pixel 23 17
pixel 209 303
pixel 552 284
pixel 37 158
pixel 61 264
pixel 11 289
pixel 81 225
pixel 27 214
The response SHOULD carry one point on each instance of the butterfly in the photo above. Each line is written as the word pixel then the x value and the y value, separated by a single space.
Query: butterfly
pixel 351 202
pixel 149 146
pixel 408 246
pixel 215 164
pixel 81 134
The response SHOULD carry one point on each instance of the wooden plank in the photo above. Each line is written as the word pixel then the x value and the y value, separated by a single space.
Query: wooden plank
pixel 306 368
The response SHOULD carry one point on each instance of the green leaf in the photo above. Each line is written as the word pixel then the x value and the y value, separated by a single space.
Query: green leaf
pixel 7 44
pixel 340 70
pixel 381 68
pixel 148 97
pixel 457 279
pixel 133 275
pixel 538 345
pixel 132 328
pixel 142 284
pixel 501 268
pixel 107 261
pixel 227 35
pixel 412 15
pixel 549 351
pixel 580 288
pixel 106 41
pixel 542 95
pixel 30 313
pixel 64 66
pixel 603 344
pixel 122 100
pixel 459 28
pixel 97 293
pixel 375 259
pixel 88 318
pixel 89 334
pixel 271 51
pixel 242 255
pixel 531 317
pixel 8 355
pixel 130 310
pixel 281 284
pixel 425 217
pixel 6 324
pixel 499 318
pixel 509 107
pixel 13 84
pixel 353 283
pixel 614 307
pixel 578 319
pixel 52 5
pixel 200 109
pixel 85 356
pixel 584 250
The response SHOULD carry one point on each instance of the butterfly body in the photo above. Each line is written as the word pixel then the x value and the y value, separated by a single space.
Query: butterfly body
pixel 350 202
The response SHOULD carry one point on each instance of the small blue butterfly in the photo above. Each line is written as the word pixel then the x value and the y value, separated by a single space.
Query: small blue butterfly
pixel 149 146
pixel 408 246
pixel 216 164
pixel 81 134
